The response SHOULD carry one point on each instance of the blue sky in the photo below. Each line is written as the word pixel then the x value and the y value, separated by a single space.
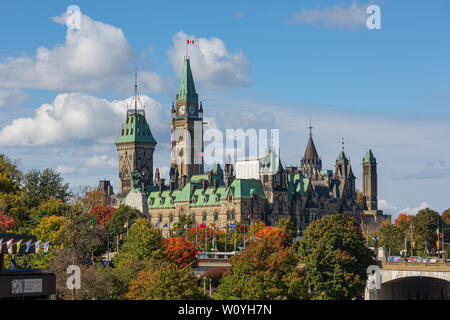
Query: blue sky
pixel 385 89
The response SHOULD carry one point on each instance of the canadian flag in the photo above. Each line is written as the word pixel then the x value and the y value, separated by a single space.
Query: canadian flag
pixel 202 154
pixel 190 41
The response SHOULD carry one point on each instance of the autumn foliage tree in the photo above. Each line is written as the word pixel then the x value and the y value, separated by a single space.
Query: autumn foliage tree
pixel 164 281
pixel 102 213
pixel 180 251
pixel 274 233
pixel 6 222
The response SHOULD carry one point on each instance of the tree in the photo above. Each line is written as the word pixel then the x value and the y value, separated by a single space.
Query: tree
pixel 276 234
pixel 424 230
pixel 287 226
pixel 215 274
pixel 40 186
pixel 49 229
pixel 335 258
pixel 102 213
pixel 391 237
pixel 184 221
pixel 116 224
pixel 144 241
pixel 126 269
pixel 180 251
pixel 165 281
pixel 202 233
pixel 360 199
pixel 266 269
pixel 6 222
pixel 53 207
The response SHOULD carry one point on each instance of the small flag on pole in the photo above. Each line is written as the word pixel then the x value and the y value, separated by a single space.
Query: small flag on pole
pixel 241 227
pixel 165 225
pixel 202 154
pixel 37 246
pixel 1 245
pixel 28 245
pixel 18 244
pixel 156 225
pixel 46 245
pixel 232 225
pixel 9 246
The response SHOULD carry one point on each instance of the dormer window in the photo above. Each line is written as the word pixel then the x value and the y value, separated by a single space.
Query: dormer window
pixel 193 200
pixel 127 131
pixel 138 131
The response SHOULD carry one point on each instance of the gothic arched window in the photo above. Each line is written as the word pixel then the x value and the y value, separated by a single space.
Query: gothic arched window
pixel 171 217
pixel 204 216
pixel 160 218
pixel 216 217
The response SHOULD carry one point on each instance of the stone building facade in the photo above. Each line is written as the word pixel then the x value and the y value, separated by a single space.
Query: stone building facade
pixel 216 197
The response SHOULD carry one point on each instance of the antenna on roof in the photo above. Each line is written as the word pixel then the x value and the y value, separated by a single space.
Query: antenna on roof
pixel 310 127
pixel 342 144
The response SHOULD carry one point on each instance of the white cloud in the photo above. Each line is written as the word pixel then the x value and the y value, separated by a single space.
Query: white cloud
pixel 76 118
pixel 102 161
pixel 65 169
pixel 211 62
pixel 337 16
pixel 97 56
pixel 415 210
pixel 386 206
pixel 12 97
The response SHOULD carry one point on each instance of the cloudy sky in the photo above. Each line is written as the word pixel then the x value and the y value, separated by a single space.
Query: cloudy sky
pixel 64 91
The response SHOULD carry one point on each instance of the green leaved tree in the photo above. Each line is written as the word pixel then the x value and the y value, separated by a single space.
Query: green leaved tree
pixel 335 258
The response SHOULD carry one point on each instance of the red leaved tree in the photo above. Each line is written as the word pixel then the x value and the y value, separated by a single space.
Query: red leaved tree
pixel 102 213
pixel 180 251
pixel 6 222
pixel 402 218
pixel 275 234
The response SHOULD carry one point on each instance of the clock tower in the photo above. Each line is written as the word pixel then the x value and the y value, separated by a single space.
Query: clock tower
pixel 135 146
pixel 186 150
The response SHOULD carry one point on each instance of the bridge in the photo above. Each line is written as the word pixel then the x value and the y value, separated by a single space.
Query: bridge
pixel 412 281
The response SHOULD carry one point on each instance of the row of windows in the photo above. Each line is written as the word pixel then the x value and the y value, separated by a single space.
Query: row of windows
pixel 130 119
pixel 230 216
pixel 130 131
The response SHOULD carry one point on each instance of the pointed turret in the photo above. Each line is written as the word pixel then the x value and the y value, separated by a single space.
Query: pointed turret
pixel 186 91
pixel 311 164
pixel 135 146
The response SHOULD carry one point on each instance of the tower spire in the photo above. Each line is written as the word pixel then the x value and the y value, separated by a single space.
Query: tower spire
pixel 342 144
pixel 310 127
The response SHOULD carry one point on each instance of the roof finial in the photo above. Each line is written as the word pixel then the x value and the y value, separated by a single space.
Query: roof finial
pixel 310 127
pixel 135 90
pixel 342 144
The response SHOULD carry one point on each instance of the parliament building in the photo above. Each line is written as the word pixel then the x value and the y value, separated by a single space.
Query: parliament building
pixel 222 196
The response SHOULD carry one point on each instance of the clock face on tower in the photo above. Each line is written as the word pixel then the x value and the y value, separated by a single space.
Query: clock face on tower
pixel 191 110
pixel 181 110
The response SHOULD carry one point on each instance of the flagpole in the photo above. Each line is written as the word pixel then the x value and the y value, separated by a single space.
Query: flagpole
pixel 244 234
pixel 235 238
pixel 226 227
pixel 206 240
pixel 196 237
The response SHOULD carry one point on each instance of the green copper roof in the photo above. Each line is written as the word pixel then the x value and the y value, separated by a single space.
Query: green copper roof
pixel 369 156
pixel 217 170
pixel 199 177
pixel 136 129
pixel 297 184
pixel 187 86
pixel 242 188
pixel 341 156
pixel 328 172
